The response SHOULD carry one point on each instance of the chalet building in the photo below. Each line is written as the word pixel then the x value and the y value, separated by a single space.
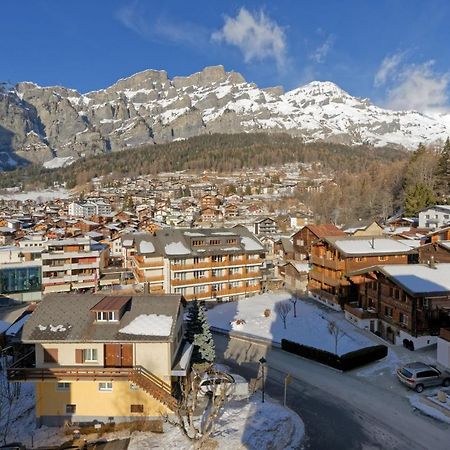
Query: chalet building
pixel 210 214
pixel 105 359
pixel 303 238
pixel 209 201
pixel 284 248
pixel 296 276
pixel 440 234
pixel 404 303
pixel 438 251
pixel 197 263
pixel 231 210
pixel 335 259
pixel 370 229
pixel 72 264
pixel 265 226
pixel 435 216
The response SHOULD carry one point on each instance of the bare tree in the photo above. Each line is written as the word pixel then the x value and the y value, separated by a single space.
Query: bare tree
pixel 294 300
pixel 197 425
pixel 283 309
pixel 336 332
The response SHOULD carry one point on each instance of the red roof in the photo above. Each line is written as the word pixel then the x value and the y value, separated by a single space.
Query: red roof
pixel 325 230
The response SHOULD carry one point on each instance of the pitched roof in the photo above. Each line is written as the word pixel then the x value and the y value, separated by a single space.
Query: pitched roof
pixel 325 230
pixel 67 317
pixel 365 245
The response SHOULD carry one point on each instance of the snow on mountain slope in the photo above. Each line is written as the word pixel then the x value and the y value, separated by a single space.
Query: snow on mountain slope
pixel 148 107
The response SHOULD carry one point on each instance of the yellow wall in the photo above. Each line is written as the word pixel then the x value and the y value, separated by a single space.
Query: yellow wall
pixel 90 401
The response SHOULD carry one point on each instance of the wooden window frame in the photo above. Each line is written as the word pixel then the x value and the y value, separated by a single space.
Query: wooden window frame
pixel 136 408
pixel 50 355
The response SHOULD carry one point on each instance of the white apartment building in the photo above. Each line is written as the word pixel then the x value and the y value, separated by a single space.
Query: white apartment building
pixel 434 217
pixel 92 207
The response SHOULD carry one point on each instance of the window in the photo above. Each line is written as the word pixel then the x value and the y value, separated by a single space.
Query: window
pixel 50 355
pixel 105 386
pixel 359 259
pixel 388 311
pixel 396 294
pixel 199 274
pixel 137 408
pixel 199 289
pixel 382 258
pixel 214 242
pixel 231 241
pixel 71 409
pixel 198 242
pixel 63 386
pixel 198 260
pixel 403 319
pixel 180 276
pixel 89 354
pixel 217 258
pixel 300 242
pixel 178 262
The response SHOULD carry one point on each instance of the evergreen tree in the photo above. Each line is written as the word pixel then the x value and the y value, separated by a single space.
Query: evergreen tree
pixel 417 198
pixel 198 332
pixel 443 172
pixel 204 340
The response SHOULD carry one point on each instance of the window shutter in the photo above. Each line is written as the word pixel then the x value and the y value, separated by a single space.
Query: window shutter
pixel 50 355
pixel 79 356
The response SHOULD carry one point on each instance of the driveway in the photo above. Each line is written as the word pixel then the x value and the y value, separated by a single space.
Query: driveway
pixel 340 410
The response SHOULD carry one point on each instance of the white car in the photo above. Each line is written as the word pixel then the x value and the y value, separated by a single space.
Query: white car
pixel 233 384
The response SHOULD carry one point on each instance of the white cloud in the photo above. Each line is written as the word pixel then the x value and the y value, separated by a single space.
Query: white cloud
pixel 322 51
pixel 419 88
pixel 257 36
pixel 135 17
pixel 413 86
pixel 387 68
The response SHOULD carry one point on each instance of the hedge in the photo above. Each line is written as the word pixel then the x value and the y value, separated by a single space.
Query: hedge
pixel 343 362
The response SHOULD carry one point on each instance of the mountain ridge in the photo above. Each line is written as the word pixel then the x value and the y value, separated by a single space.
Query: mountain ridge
pixel 39 123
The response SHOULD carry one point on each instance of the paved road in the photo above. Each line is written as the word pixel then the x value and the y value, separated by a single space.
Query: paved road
pixel 340 411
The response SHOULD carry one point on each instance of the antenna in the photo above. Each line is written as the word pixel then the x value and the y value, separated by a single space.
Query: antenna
pixel 372 243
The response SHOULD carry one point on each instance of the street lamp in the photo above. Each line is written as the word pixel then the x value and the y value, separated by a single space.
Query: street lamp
pixel 262 362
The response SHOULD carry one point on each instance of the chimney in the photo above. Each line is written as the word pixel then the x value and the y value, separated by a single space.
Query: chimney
pixel 432 263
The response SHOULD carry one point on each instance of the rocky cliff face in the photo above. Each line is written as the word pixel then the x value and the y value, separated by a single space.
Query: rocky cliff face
pixel 40 123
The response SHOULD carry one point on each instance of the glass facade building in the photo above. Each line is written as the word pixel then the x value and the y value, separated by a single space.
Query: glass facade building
pixel 20 279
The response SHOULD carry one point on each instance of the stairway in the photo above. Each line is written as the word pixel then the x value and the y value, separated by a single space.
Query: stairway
pixel 153 386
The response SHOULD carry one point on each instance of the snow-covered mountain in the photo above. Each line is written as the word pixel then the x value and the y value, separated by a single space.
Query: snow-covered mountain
pixel 40 123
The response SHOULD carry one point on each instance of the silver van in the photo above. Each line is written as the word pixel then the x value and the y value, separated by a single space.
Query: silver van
pixel 418 376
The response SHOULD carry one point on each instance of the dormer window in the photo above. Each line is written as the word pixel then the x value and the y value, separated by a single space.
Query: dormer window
pixel 110 309
pixel 107 316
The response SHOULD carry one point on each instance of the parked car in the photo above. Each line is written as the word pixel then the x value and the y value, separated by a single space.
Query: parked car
pixel 419 375
pixel 214 382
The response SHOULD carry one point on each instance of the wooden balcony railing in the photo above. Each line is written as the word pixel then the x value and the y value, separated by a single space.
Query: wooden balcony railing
pixel 360 313
pixel 328 263
pixel 141 263
pixel 203 280
pixel 211 264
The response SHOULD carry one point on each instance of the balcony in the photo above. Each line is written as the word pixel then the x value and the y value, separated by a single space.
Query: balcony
pixel 205 280
pixel 241 290
pixel 211 264
pixel 328 263
pixel 360 313
pixel 141 263
pixel 324 279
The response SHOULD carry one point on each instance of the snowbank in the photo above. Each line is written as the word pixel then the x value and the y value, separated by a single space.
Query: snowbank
pixel 310 327
pixel 149 325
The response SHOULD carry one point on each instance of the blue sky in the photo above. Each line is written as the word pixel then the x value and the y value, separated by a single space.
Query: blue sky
pixel 396 52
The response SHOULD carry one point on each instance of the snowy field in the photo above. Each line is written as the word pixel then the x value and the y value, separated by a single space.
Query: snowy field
pixel 37 196
pixel 310 327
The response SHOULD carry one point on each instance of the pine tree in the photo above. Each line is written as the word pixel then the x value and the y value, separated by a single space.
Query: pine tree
pixel 198 332
pixel 193 325
pixel 443 172
pixel 417 198
pixel 204 341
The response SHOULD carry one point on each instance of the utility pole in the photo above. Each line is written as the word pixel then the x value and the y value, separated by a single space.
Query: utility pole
pixel 287 380
pixel 262 361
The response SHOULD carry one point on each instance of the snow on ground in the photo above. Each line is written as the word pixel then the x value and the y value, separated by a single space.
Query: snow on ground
pixel 422 403
pixel 37 196
pixel 310 327
pixel 243 425
pixel 58 162
pixel 149 325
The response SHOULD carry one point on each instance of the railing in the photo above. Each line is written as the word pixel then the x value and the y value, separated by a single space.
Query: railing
pixel 213 264
pixel 153 386
pixel 329 263
pixel 236 276
pixel 140 262
pixel 325 295
pixel 360 312
pixel 320 276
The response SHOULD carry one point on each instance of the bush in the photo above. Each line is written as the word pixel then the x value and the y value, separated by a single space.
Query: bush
pixel 361 357
pixel 345 362
pixel 322 356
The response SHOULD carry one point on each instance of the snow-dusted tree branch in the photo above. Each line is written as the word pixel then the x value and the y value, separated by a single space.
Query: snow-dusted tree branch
pixel 336 332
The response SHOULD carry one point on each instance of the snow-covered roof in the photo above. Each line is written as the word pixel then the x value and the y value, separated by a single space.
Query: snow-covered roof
pixel 176 248
pixel 251 244
pixel 149 325
pixel 368 246
pixel 420 279
pixel 146 247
